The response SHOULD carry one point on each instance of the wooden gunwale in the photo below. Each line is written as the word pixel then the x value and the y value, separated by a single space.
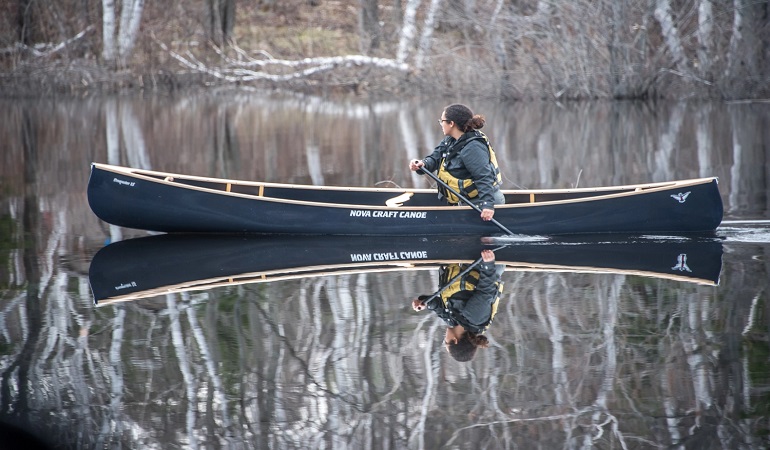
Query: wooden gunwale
pixel 617 191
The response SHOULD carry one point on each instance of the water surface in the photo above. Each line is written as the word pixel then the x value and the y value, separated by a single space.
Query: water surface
pixel 603 354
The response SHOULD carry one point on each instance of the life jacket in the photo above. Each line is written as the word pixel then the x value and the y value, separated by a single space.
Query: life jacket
pixel 466 187
pixel 466 282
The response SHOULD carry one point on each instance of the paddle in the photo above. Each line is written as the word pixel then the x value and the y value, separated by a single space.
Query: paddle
pixel 462 197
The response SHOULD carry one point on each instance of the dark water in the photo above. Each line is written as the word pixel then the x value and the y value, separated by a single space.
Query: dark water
pixel 608 345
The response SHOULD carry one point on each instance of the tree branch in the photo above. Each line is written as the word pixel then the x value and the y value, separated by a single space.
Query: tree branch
pixel 240 70
pixel 39 50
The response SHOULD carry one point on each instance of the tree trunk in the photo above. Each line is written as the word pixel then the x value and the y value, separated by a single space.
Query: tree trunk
pixel 763 37
pixel 408 30
pixel 498 38
pixel 117 53
pixel 228 19
pixel 221 20
pixel 24 21
pixel 369 26
pixel 616 55
pixel 130 17
pixel 215 20
pixel 735 41
pixel 705 38
pixel 670 35
pixel 108 32
pixel 427 32
pixel 397 15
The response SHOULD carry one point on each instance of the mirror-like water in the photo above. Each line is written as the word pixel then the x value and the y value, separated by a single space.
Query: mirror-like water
pixel 295 343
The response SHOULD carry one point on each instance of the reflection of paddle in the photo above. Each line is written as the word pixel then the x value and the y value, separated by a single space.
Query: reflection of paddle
pixel 462 197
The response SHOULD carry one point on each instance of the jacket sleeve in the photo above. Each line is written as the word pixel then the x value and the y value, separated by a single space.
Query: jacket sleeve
pixel 475 157
pixel 437 306
pixel 478 308
pixel 434 159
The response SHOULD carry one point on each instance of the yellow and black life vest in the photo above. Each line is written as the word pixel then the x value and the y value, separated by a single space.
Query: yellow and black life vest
pixel 466 282
pixel 465 187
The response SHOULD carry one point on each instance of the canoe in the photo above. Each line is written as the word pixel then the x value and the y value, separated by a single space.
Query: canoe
pixel 167 202
pixel 172 263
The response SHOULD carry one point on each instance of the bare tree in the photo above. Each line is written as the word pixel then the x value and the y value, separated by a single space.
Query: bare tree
pixel 520 49
pixel 670 34
pixel 118 39
pixel 408 30
pixel 736 39
pixel 369 26
pixel 24 21
pixel 424 45
pixel 221 20
pixel 705 38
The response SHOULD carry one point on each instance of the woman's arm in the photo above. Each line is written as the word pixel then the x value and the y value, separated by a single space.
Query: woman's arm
pixel 432 161
pixel 475 157
pixel 478 308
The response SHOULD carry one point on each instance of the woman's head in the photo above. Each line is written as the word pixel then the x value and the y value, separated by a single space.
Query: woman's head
pixel 462 346
pixel 463 117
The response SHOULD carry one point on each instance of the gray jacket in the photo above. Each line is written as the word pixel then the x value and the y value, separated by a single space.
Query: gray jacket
pixel 472 161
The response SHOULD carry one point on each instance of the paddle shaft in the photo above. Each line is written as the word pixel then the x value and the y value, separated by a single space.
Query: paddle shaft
pixel 462 197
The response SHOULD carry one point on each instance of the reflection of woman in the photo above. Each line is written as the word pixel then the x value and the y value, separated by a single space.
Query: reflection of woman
pixel 465 161
pixel 466 303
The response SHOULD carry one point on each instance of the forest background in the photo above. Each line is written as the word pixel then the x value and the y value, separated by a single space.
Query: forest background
pixel 513 49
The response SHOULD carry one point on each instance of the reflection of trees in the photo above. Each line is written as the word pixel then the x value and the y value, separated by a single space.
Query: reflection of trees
pixel 306 139
pixel 339 361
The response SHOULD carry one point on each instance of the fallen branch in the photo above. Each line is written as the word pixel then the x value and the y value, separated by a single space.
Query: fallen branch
pixel 39 50
pixel 241 70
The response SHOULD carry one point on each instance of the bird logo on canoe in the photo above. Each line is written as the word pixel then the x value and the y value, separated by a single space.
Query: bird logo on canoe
pixel 681 263
pixel 680 197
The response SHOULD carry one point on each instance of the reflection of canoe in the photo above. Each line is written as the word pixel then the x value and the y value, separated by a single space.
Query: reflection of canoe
pixel 167 202
pixel 171 263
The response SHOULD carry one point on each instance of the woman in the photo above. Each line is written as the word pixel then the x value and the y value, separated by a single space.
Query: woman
pixel 465 161
pixel 466 303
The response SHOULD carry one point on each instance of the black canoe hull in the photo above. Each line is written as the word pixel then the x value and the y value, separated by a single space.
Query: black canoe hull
pixel 138 201
pixel 168 263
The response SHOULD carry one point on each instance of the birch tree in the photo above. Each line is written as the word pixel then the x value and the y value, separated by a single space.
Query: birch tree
pixel 408 30
pixel 670 35
pixel 427 33
pixel 705 38
pixel 118 38
pixel 735 40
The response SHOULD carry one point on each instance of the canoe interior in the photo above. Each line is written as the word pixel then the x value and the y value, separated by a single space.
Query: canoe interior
pixel 375 197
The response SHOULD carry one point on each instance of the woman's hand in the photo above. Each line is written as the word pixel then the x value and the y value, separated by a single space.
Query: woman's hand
pixel 487 255
pixel 487 214
pixel 418 305
pixel 416 164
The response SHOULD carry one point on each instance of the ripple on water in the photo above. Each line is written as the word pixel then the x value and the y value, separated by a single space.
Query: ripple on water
pixel 749 231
